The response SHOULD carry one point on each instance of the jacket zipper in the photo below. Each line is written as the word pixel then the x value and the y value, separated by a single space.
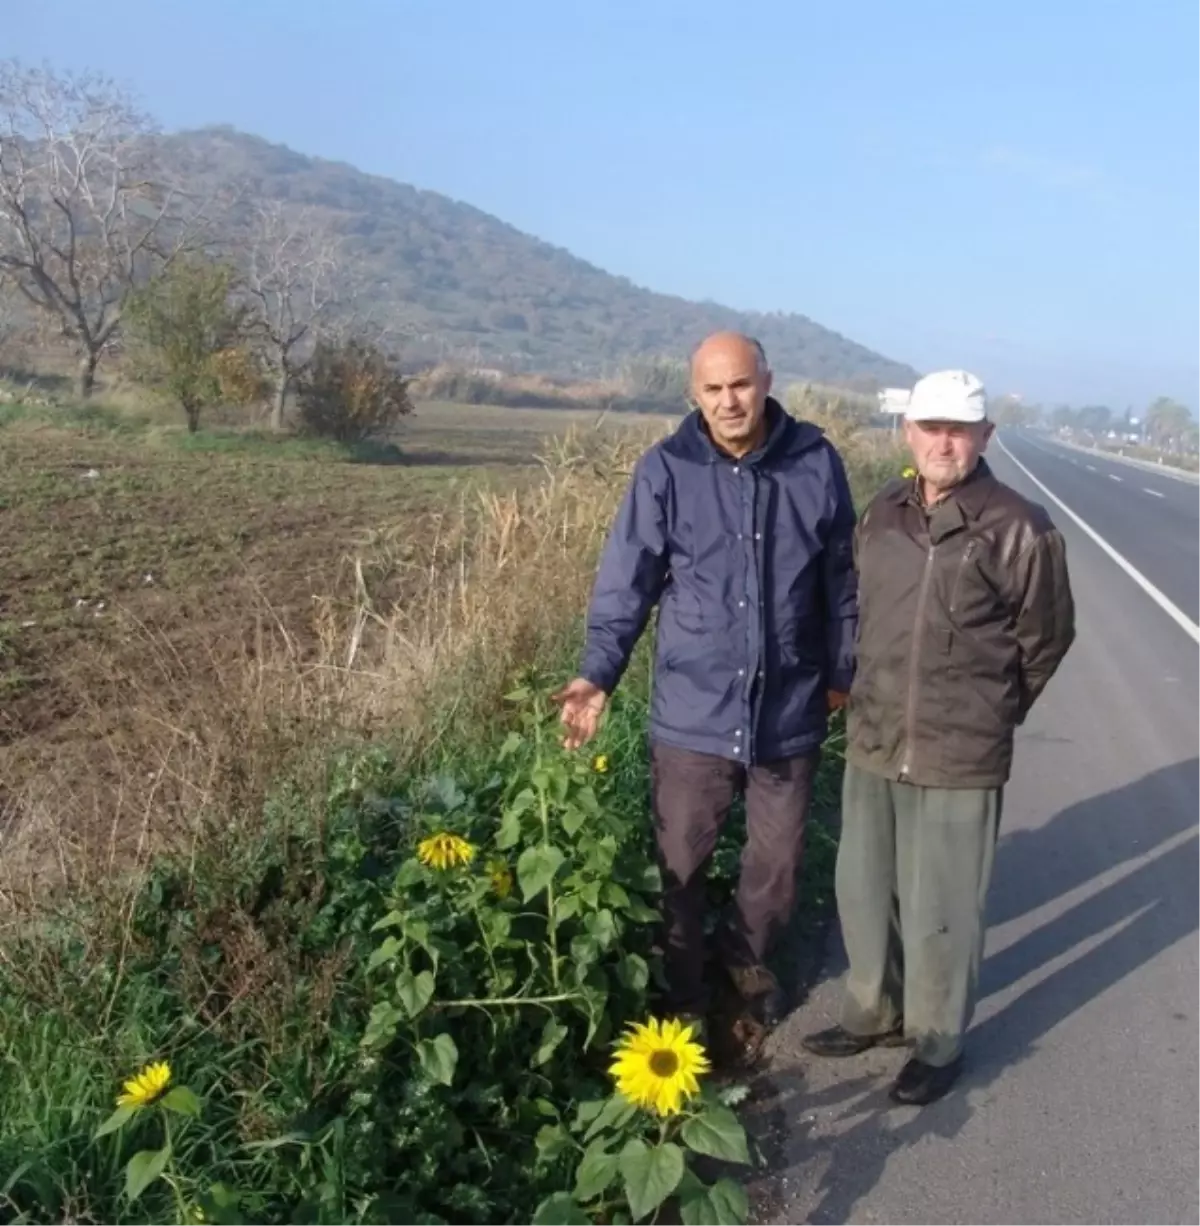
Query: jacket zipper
pixel 910 714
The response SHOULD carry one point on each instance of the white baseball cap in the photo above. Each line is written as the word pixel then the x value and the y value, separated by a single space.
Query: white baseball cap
pixel 948 395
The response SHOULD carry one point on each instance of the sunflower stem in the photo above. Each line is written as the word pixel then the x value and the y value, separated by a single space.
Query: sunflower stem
pixel 169 1173
pixel 551 912
pixel 506 1001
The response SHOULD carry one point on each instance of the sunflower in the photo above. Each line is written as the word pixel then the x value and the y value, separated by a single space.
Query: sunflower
pixel 444 851
pixel 600 764
pixel 146 1087
pixel 657 1065
pixel 500 877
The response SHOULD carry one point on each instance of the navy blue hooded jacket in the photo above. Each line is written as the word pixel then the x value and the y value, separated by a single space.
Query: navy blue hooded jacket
pixel 751 565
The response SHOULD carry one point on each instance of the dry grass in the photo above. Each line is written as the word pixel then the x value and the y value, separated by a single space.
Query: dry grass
pixel 296 599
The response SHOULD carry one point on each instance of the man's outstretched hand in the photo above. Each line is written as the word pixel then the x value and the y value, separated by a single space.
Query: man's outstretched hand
pixel 581 704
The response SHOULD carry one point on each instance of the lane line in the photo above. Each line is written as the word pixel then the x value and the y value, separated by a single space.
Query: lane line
pixel 1090 467
pixel 1114 477
pixel 1171 609
pixel 1153 493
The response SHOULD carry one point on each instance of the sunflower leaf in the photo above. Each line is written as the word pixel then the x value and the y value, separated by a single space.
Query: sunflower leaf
pixel 718 1133
pixel 553 1034
pixel 182 1101
pixel 115 1121
pixel 650 1175
pixel 383 953
pixel 561 1209
pixel 724 1204
pixel 143 1169
pixel 597 1169
pixel 414 991
pixel 439 1058
pixel 536 869
pixel 616 1112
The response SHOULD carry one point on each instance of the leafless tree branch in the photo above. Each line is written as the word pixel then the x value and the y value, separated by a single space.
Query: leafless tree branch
pixel 292 263
pixel 86 215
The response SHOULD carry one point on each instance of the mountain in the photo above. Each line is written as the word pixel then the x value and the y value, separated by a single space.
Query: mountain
pixel 467 286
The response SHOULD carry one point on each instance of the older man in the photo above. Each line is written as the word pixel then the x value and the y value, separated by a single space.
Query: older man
pixel 965 614
pixel 739 527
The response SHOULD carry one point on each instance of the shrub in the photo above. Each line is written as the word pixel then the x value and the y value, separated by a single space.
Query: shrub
pixel 351 392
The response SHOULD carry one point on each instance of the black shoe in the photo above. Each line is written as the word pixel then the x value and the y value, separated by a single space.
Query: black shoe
pixel 920 1083
pixel 837 1041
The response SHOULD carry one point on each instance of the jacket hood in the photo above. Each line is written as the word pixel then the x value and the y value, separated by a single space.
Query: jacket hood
pixel 786 436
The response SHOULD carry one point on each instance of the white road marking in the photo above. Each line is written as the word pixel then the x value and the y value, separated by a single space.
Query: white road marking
pixel 1114 477
pixel 1172 610
pixel 1153 493
pixel 1090 467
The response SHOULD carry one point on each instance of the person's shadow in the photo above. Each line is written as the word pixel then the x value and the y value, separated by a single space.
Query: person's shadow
pixel 1144 912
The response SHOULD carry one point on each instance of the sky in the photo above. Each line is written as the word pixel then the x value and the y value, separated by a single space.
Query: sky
pixel 1010 188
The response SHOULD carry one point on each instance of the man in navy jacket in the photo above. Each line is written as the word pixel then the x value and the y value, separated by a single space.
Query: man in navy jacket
pixel 739 528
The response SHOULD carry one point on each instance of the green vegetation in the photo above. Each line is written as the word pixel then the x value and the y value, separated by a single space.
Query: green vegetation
pixel 219 783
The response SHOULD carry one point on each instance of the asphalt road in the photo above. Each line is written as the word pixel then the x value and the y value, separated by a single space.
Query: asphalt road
pixel 1079 1102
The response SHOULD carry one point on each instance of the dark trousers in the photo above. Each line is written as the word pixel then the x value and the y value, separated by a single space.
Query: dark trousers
pixel 692 796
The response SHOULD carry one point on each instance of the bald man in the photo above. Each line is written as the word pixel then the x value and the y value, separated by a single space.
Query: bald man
pixel 739 529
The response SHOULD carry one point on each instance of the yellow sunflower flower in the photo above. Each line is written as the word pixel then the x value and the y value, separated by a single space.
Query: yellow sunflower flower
pixel 600 764
pixel 444 851
pixel 657 1065
pixel 908 473
pixel 500 877
pixel 146 1087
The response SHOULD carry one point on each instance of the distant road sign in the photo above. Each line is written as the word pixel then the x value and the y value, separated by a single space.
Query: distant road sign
pixel 894 399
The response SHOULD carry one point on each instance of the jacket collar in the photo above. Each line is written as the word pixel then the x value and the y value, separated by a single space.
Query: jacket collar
pixel 970 497
pixel 786 436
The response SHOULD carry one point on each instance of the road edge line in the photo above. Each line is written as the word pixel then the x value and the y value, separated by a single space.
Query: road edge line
pixel 1171 609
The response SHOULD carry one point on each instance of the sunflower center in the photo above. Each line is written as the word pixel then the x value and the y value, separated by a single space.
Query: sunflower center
pixel 664 1063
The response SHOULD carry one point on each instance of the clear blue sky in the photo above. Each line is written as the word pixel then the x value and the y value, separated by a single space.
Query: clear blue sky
pixel 1009 187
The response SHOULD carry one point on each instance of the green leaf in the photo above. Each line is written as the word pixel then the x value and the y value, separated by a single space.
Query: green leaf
pixel 724 1204
pixel 143 1169
pixel 536 868
pixel 733 1094
pixel 521 694
pixel 393 919
pixel 717 1133
pixel 640 913
pixel 552 1140
pixel 560 1209
pixel 649 880
pixel 512 743
pixel 115 1121
pixel 617 1111
pixel 586 1112
pixel 614 895
pixel 603 928
pixel 439 1058
pixel 572 820
pixel 509 834
pixel 408 874
pixel 633 972
pixel 383 953
pixel 415 991
pixel 650 1175
pixel 381 1024
pixel 597 1169
pixel 553 1034
pixel 565 908
pixel 182 1101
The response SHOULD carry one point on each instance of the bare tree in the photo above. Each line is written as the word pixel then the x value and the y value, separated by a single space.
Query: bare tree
pixel 291 277
pixel 84 217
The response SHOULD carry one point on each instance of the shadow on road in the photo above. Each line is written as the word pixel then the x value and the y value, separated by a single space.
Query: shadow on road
pixel 1124 924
